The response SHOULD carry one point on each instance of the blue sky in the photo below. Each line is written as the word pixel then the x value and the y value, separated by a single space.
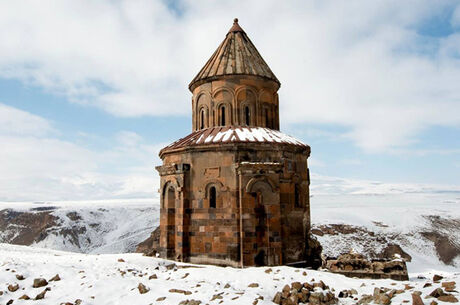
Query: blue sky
pixel 372 88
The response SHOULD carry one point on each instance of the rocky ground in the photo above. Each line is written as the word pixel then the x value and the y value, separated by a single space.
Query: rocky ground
pixel 54 277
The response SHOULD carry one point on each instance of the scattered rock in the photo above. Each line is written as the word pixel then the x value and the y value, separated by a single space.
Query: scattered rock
pixel 120 260
pixel 161 299
pixel 380 297
pixel 365 299
pixel 227 286
pixel 186 292
pixel 171 266
pixel 190 302
pixel 142 288
pixel 434 302
pixel 254 285
pixel 78 301
pixel 24 297
pixel 13 288
pixel 41 295
pixel 153 277
pixel 314 294
pixel 416 299
pixel 39 282
pixel 277 298
pixel 427 285
pixel 437 293
pixel 437 278
pixel 408 287
pixel 217 297
pixel 55 278
pixel 448 298
pixel 269 270
pixel 448 286
pixel 356 265
pixel 9 302
pixel 20 277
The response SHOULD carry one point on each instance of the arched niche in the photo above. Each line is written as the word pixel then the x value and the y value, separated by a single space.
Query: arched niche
pixel 168 199
pixel 266 110
pixel 223 100
pixel 246 105
pixel 203 104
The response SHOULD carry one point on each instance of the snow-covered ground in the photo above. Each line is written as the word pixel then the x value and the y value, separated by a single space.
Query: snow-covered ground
pixel 114 278
pixel 117 226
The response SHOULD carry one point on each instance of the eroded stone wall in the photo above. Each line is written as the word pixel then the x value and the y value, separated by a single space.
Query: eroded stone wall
pixel 270 180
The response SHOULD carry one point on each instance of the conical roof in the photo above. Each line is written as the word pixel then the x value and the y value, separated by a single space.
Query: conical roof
pixel 236 55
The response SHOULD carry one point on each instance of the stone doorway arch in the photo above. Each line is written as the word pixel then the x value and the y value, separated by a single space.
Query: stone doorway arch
pixel 267 220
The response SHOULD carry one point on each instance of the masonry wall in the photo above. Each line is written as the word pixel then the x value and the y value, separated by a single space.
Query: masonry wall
pixel 235 94
pixel 273 225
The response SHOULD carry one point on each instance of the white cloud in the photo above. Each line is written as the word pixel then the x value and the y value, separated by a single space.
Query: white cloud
pixel 455 20
pixel 36 165
pixel 326 185
pixel 358 64
pixel 18 122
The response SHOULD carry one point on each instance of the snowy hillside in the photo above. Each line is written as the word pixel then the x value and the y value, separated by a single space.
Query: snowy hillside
pixel 425 225
pixel 115 278
pixel 113 226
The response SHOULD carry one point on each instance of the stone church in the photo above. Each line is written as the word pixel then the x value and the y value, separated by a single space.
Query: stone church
pixel 235 191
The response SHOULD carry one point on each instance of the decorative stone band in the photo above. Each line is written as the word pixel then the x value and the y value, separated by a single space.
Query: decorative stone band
pixel 234 134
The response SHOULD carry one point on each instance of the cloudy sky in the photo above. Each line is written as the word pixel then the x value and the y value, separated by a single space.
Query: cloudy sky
pixel 91 90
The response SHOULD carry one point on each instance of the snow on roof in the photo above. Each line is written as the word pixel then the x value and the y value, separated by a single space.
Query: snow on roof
pixel 235 134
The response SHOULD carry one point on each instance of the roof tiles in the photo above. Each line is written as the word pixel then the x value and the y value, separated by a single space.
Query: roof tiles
pixel 236 55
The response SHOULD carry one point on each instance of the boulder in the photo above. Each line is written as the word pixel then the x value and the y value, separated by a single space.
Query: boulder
pixel 24 297
pixel 416 299
pixel 13 288
pixel 142 288
pixel 41 295
pixel 437 278
pixel 39 282
pixel 437 293
pixel 448 298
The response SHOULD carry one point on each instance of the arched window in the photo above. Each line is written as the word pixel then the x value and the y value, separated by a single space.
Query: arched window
pixel 297 203
pixel 247 115
pixel 222 116
pixel 212 197
pixel 202 119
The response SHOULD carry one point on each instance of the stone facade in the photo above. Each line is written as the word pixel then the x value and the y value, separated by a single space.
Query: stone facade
pixel 235 191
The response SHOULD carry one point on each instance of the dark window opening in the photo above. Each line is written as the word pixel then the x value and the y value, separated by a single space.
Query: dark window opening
pixel 297 196
pixel 202 119
pixel 247 114
pixel 212 197
pixel 222 116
